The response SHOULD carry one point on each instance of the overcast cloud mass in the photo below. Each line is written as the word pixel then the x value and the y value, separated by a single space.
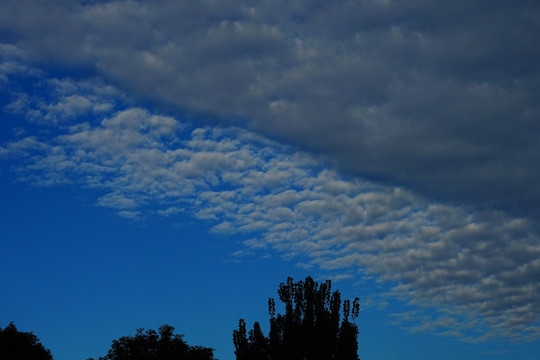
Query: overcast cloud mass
pixel 405 135
pixel 440 96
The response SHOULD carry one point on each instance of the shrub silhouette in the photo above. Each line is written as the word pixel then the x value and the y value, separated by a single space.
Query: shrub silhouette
pixel 152 345
pixel 312 327
pixel 18 345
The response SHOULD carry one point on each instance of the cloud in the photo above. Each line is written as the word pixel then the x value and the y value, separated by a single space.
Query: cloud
pixel 467 273
pixel 117 201
pixel 12 61
pixel 70 100
pixel 441 97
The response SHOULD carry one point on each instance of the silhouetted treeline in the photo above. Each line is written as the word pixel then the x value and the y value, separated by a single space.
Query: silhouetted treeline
pixel 312 327
pixel 152 345
pixel 149 345
pixel 315 326
pixel 19 345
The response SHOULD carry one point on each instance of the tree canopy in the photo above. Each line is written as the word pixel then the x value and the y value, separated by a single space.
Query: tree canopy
pixel 314 327
pixel 19 345
pixel 152 345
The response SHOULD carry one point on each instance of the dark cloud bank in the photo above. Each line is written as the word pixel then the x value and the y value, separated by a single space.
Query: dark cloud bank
pixel 441 96
pixel 438 96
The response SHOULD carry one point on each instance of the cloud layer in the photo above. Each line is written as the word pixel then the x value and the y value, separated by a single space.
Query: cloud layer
pixel 439 96
pixel 478 269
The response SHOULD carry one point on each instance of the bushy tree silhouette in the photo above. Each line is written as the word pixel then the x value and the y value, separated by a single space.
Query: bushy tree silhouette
pixel 18 345
pixel 312 327
pixel 152 345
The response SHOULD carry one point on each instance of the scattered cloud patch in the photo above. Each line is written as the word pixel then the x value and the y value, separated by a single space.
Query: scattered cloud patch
pixel 69 100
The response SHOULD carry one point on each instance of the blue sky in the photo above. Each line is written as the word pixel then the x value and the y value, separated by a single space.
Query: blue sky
pixel 172 162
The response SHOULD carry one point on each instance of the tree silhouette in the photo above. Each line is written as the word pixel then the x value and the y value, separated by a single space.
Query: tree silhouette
pixel 312 327
pixel 18 345
pixel 152 345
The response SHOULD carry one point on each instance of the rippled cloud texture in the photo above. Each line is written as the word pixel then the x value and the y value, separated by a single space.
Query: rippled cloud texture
pixel 439 99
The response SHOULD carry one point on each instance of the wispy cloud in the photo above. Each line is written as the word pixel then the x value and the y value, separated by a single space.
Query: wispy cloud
pixel 478 269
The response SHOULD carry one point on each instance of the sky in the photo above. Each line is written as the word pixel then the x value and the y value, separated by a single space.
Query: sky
pixel 175 161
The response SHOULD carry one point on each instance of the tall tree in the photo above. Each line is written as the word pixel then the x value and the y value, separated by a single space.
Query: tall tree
pixel 312 327
pixel 152 345
pixel 19 345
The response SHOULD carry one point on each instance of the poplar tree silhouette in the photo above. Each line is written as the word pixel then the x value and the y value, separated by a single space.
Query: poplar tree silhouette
pixel 19 345
pixel 312 327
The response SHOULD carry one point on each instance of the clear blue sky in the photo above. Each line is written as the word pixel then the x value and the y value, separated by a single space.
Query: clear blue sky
pixel 174 162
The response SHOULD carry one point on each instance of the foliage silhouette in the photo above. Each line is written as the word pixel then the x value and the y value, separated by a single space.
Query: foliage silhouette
pixel 152 345
pixel 311 329
pixel 18 345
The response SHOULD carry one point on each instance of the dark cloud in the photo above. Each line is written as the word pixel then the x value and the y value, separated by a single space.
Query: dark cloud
pixel 439 96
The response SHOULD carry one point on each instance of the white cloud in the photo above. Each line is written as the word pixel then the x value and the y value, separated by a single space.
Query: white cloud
pixel 117 201
pixel 68 100
pixel 12 61
pixel 129 214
